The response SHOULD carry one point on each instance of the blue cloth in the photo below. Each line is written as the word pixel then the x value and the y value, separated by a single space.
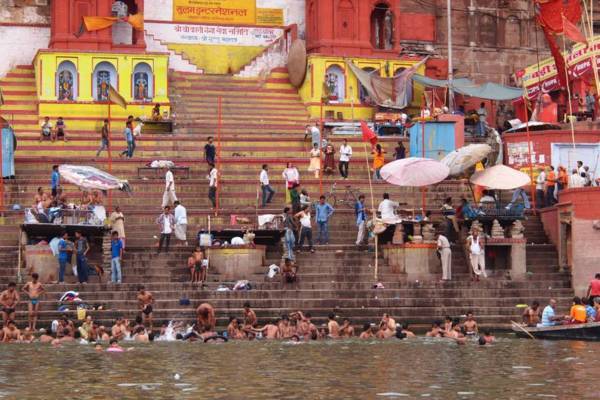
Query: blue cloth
pixel 359 211
pixel 82 268
pixel 62 266
pixel 290 240
pixel 590 312
pixel 324 211
pixel 54 180
pixel 115 247
pixel 128 135
pixel 63 255
pixel 8 152
pixel 547 316
pixel 520 192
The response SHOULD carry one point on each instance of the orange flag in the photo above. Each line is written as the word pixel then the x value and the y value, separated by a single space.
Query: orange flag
pixel 572 32
pixel 368 134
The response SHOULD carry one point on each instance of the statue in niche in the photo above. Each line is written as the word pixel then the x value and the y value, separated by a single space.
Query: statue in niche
pixel 140 80
pixel 102 85
pixel 331 79
pixel 388 30
pixel 65 85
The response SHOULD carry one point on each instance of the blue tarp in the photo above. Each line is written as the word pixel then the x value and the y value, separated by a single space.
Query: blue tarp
pixel 8 152
pixel 464 86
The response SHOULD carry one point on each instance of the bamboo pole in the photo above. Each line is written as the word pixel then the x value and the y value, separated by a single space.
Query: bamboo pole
pixel 219 121
pixel 590 37
pixel 529 161
pixel 110 156
pixel 373 213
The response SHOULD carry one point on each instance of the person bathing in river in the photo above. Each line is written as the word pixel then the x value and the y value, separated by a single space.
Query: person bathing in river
pixel 250 319
pixel 205 315
pixel 367 332
pixel 346 330
pixel 470 325
pixel 333 327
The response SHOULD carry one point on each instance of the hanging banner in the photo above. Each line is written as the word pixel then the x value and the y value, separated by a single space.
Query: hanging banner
pixel 579 62
pixel 215 11
pixel 269 16
pixel 211 34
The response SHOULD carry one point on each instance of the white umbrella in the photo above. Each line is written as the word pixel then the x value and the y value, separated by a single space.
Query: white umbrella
pixel 92 178
pixel 464 158
pixel 414 171
pixel 500 177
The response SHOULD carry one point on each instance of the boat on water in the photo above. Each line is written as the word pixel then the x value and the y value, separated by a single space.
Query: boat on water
pixel 588 331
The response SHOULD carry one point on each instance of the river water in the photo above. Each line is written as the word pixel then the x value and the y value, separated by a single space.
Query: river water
pixel 415 368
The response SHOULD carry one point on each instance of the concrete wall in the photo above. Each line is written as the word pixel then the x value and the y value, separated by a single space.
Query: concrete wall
pixel 24 28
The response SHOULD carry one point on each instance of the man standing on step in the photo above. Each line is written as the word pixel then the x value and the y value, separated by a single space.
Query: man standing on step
pixel 210 151
pixel 305 229
pixel 212 185
pixel 443 246
pixel 82 247
pixel 180 222
pixel 128 133
pixel 361 219
pixel 104 143
pixel 116 254
pixel 169 196
pixel 290 227
pixel 9 300
pixel 315 134
pixel 267 191
pixel 345 154
pixel 54 180
pixel 476 254
pixel 324 212
pixel 145 301
pixel 166 222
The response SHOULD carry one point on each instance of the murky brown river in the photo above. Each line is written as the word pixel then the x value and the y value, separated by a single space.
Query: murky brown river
pixel 417 368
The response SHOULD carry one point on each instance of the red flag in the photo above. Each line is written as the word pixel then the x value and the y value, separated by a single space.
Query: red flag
pixel 572 32
pixel 558 57
pixel 367 134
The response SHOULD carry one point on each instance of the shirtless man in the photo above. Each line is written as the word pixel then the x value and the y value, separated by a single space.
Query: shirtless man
pixel 367 332
pixel 286 331
pixel 531 315
pixel 488 337
pixel 27 336
pixel 11 332
pixel 436 330
pixel 385 332
pixel 118 330
pixel 470 324
pixel 140 335
pixel 39 196
pixel 346 330
pixel 9 300
pixel 405 331
pixel 145 302
pixel 44 337
pixel 195 265
pixel 391 323
pixel 269 331
pixel 205 314
pixel 233 329
pixel 249 317
pixel 333 327
pixel 456 333
pixel 34 290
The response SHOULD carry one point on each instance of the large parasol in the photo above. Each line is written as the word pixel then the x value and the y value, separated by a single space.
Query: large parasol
pixel 415 172
pixel 500 177
pixel 464 158
pixel 92 178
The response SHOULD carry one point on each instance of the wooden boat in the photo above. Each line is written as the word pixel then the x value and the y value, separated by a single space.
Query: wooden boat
pixel 588 331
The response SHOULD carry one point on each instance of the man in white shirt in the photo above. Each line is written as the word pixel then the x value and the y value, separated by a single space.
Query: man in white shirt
pixel 387 210
pixel 476 254
pixel 212 185
pixel 267 191
pixel 345 154
pixel 305 229
pixel 180 222
pixel 315 134
pixel 46 129
pixel 580 168
pixel 540 181
pixel 576 180
pixel 169 196
pixel 166 222
pixel 443 246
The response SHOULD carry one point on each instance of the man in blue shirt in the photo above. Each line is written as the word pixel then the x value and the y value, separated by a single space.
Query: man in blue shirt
pixel 590 311
pixel 54 180
pixel 361 219
pixel 128 133
pixel 116 251
pixel 324 212
pixel 64 254
pixel 549 317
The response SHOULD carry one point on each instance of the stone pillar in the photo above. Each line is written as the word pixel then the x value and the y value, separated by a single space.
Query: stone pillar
pixel 518 267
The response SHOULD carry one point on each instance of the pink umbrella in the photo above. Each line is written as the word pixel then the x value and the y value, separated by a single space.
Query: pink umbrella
pixel 500 177
pixel 414 171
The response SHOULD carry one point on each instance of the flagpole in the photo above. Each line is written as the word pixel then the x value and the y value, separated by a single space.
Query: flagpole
pixel 590 37
pixel 219 118
pixel 567 83
pixel 109 155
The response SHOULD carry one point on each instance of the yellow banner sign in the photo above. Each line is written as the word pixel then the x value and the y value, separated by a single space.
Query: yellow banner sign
pixel 215 11
pixel 269 16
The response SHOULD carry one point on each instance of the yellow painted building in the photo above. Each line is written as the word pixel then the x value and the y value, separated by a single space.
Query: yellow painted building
pixel 74 85
pixel 349 100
